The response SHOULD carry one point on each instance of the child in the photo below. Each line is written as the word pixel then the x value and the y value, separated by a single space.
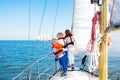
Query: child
pixel 58 52
pixel 62 41
pixel 70 46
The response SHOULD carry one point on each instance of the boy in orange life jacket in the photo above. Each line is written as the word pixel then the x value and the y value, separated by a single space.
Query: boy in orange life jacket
pixel 61 40
pixel 58 52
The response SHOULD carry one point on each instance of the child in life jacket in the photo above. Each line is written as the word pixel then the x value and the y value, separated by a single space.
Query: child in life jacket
pixel 61 40
pixel 58 52
pixel 70 46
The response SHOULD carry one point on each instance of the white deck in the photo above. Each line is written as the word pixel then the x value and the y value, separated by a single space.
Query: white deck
pixel 74 75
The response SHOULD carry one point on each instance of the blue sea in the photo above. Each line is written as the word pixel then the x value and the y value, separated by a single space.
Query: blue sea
pixel 15 56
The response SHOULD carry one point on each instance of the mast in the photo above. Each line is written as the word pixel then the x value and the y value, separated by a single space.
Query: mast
pixel 103 66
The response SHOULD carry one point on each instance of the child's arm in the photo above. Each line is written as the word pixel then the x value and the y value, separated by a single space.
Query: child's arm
pixel 52 51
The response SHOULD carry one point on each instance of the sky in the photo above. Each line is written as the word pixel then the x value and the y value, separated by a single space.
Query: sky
pixel 14 18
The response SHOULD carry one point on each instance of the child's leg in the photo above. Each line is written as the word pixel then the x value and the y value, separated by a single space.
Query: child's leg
pixel 63 64
pixel 71 57
pixel 66 57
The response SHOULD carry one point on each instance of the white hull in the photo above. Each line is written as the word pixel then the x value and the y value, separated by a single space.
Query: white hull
pixel 74 75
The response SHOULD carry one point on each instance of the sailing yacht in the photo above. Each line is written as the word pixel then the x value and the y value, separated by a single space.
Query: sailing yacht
pixel 43 37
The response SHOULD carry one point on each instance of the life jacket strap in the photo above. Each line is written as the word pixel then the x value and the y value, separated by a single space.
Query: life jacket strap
pixel 58 52
pixel 69 43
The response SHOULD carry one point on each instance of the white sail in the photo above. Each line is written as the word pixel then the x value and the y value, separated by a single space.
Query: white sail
pixel 82 22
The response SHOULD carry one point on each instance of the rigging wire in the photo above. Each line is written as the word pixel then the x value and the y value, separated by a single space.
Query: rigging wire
pixel 29 21
pixel 42 17
pixel 41 23
pixel 55 18
pixel 72 17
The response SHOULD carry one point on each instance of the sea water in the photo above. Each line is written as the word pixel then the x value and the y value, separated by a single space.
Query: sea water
pixel 17 55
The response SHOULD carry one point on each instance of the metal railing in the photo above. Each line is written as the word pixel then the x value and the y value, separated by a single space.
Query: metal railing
pixel 28 71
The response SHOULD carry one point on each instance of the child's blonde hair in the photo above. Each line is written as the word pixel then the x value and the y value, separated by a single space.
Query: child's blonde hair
pixel 54 41
pixel 60 35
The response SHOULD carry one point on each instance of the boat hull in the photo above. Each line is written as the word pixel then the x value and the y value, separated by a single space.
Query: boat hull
pixel 74 75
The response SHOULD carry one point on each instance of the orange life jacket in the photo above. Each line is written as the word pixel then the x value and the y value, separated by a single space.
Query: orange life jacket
pixel 59 49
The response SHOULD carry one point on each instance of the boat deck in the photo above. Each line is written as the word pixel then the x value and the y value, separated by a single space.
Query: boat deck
pixel 74 75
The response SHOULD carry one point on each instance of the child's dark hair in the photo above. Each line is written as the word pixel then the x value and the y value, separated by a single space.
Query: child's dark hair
pixel 67 31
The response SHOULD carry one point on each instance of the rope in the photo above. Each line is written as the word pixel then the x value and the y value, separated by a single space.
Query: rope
pixel 55 18
pixel 90 46
pixel 42 17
